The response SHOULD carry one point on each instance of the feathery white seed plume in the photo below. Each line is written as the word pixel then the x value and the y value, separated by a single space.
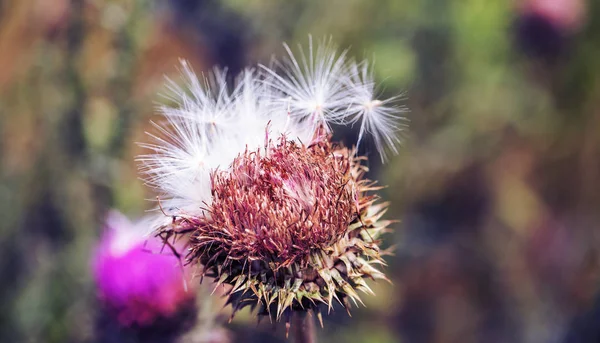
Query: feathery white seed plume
pixel 312 86
pixel 212 122
pixel 380 118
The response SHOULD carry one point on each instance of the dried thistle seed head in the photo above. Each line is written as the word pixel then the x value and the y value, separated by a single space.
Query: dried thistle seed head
pixel 290 227
pixel 289 222
pixel 278 205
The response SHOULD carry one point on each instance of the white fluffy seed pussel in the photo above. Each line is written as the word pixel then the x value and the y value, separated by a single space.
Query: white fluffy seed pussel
pixel 211 122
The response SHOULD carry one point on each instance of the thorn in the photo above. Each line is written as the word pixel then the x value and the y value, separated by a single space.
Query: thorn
pixel 320 317
pixel 287 330
pixel 259 320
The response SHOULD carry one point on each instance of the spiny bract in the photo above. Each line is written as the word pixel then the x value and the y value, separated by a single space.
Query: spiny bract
pixel 266 202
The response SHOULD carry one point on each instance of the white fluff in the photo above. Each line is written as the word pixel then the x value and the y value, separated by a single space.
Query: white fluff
pixel 380 118
pixel 213 122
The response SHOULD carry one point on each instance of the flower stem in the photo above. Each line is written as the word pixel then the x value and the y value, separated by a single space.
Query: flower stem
pixel 303 328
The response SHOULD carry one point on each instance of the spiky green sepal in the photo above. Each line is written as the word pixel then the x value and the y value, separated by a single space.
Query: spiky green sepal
pixel 335 274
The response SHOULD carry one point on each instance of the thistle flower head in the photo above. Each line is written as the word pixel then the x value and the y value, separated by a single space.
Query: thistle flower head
pixel 277 204
pixel 266 202
pixel 135 277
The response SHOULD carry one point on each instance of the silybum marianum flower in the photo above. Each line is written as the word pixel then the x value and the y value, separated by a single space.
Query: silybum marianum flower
pixel 267 203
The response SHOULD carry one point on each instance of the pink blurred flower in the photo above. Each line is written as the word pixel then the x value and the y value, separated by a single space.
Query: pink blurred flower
pixel 566 14
pixel 136 275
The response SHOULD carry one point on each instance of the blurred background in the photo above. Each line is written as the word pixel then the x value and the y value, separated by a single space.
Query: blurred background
pixel 497 186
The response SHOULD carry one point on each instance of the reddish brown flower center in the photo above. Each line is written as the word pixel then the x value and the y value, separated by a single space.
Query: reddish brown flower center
pixel 278 206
